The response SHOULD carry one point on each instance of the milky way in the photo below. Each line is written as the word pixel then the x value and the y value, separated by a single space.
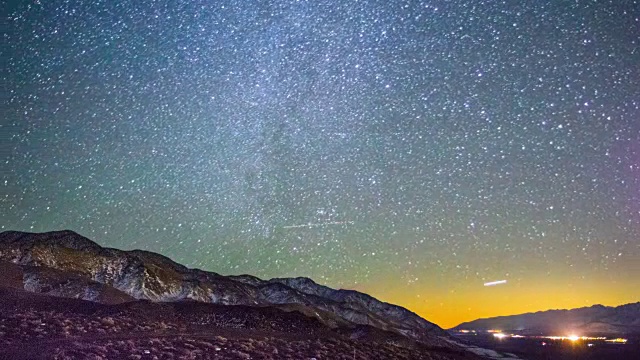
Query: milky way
pixel 410 149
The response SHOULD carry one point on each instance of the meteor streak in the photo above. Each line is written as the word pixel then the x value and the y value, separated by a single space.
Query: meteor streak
pixel 493 283
pixel 318 224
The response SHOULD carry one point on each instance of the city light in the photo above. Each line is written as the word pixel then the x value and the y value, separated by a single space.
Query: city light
pixel 617 341
pixel 499 334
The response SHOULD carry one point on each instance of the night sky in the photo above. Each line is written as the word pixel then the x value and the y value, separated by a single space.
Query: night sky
pixel 413 150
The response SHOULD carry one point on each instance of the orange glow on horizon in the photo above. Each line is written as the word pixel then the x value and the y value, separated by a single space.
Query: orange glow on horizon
pixel 467 302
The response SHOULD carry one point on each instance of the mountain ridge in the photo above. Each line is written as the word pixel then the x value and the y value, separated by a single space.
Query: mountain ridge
pixel 592 319
pixel 146 275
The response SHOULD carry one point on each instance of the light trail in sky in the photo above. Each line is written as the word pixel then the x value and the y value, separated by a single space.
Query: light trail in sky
pixel 318 224
pixel 494 283
pixel 256 128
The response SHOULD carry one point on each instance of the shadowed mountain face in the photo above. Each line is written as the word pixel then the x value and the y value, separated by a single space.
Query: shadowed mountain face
pixel 39 327
pixel 597 319
pixel 66 264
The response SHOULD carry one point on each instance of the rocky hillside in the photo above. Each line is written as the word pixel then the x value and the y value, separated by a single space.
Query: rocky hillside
pixel 67 264
pixel 38 327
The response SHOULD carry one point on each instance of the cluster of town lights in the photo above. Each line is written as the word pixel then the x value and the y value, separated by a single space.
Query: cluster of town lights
pixel 499 334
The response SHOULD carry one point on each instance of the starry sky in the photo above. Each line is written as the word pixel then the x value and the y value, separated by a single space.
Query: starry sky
pixel 413 150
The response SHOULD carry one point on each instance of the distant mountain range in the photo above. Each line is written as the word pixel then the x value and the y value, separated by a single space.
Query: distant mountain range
pixel 596 319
